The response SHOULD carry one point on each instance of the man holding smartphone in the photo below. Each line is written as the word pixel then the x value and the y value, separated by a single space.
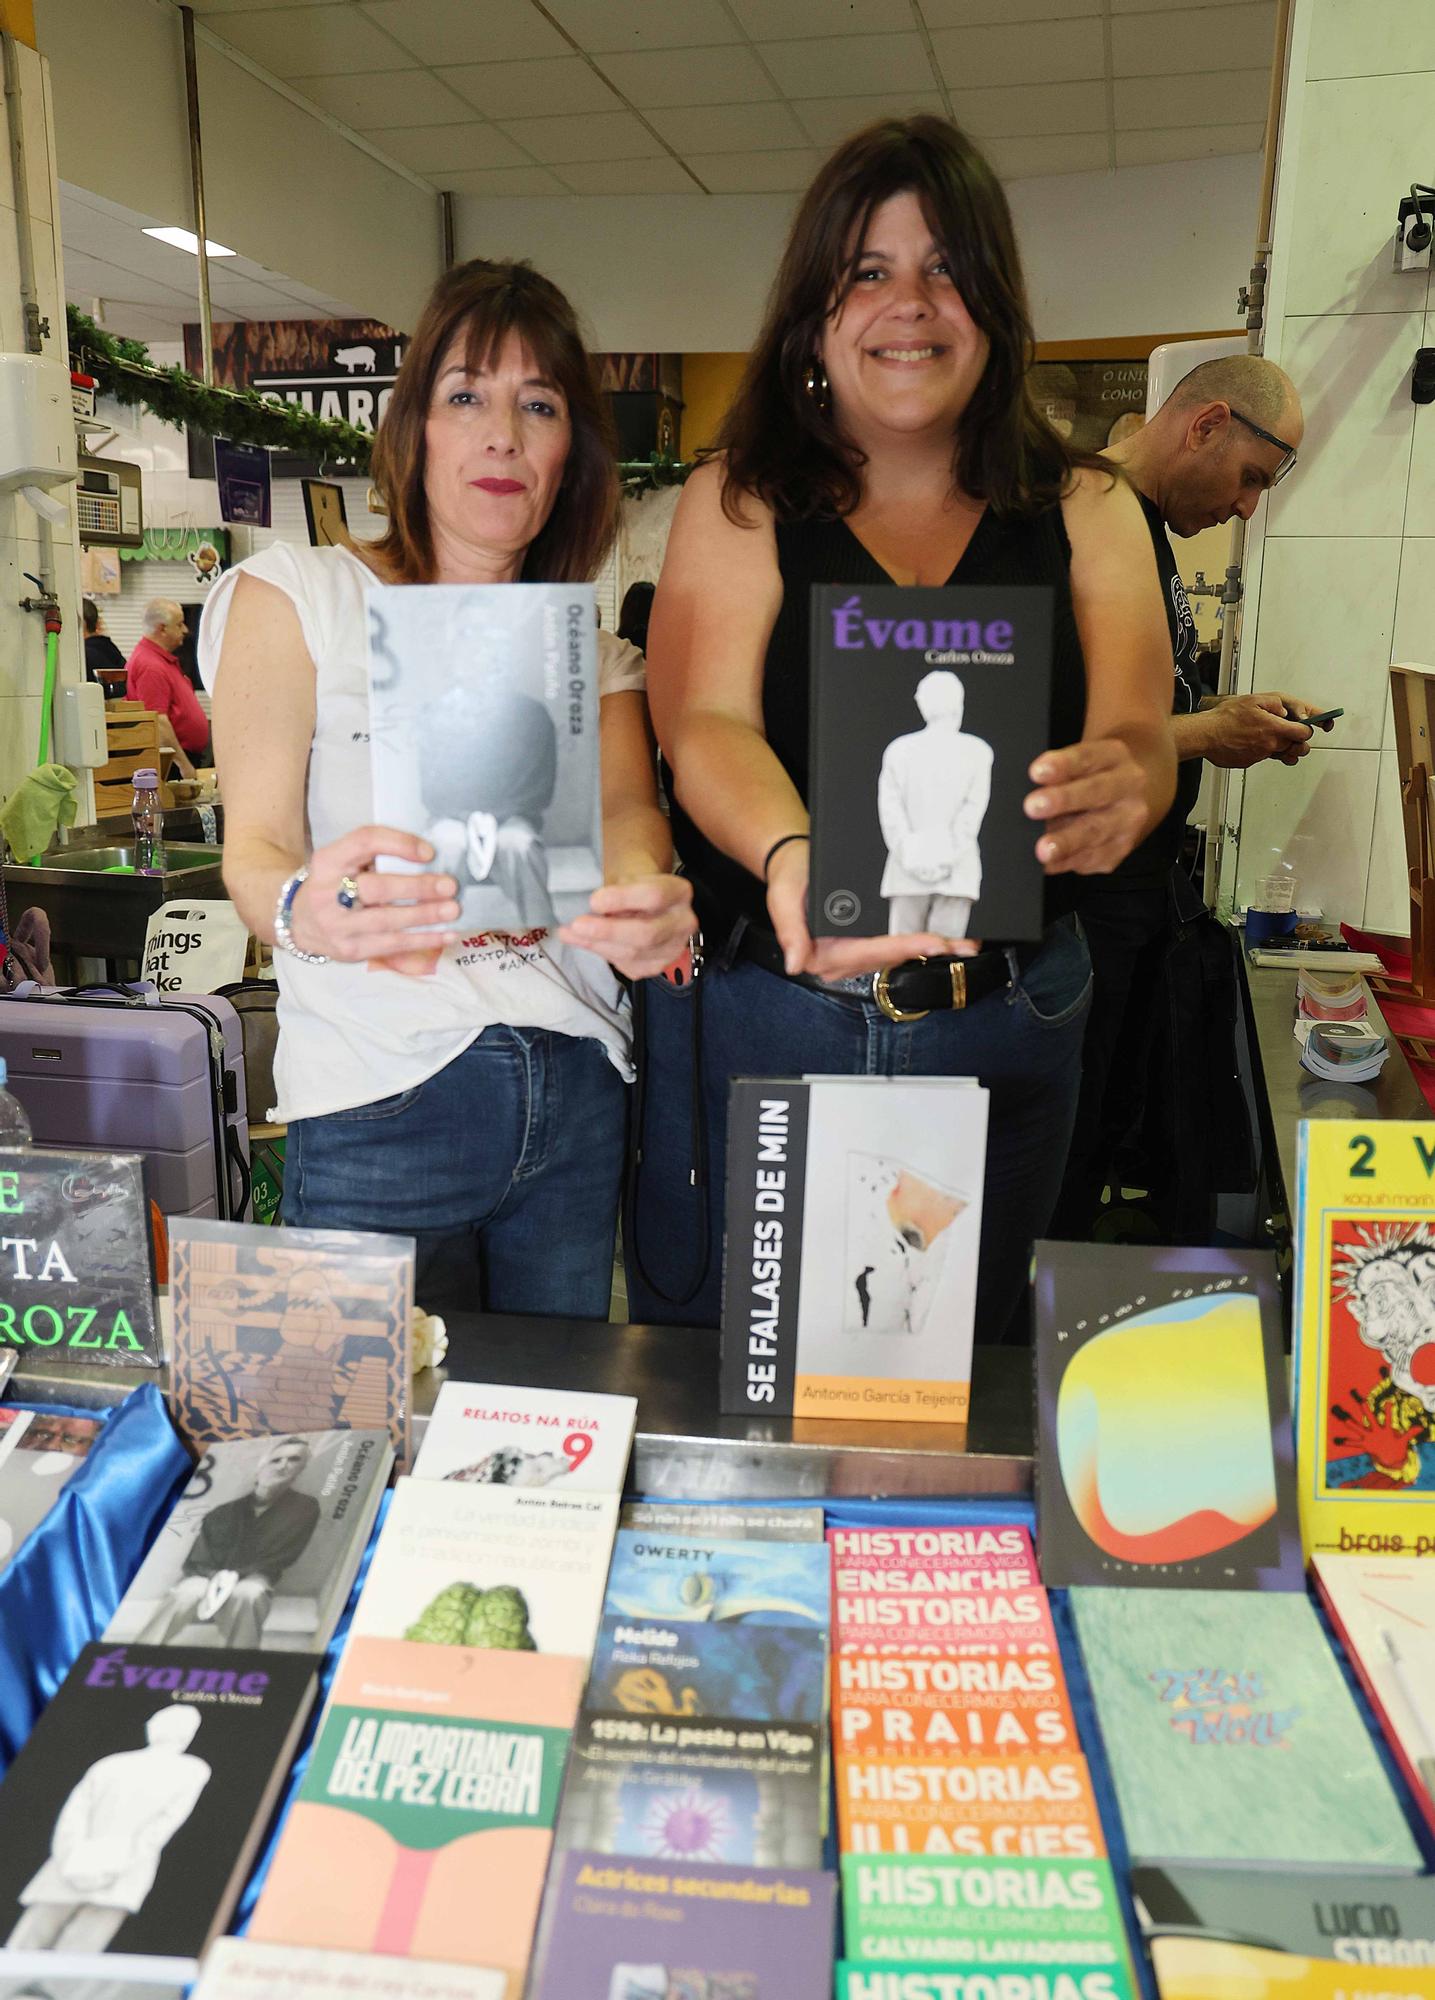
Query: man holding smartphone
pixel 1228 433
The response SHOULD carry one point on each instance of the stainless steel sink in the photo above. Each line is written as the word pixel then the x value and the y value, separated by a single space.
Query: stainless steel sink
pixel 96 914
pixel 179 858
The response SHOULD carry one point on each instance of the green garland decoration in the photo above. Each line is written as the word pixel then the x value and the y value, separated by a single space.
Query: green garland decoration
pixel 123 369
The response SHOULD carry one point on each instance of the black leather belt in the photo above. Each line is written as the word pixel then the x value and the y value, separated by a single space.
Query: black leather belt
pixel 906 992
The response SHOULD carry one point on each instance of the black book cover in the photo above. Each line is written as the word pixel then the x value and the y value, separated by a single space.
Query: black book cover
pixel 927 710
pixel 1358 1919
pixel 134 1810
pixel 1164 1447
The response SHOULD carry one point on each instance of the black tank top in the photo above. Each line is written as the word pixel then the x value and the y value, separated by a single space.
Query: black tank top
pixel 1011 549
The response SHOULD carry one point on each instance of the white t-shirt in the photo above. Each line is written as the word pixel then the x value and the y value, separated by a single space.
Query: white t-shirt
pixel 349 1035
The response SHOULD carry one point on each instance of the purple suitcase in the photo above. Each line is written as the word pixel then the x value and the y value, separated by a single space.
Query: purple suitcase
pixel 120 1068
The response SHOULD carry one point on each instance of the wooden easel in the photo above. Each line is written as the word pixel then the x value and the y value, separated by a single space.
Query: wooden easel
pixel 1412 691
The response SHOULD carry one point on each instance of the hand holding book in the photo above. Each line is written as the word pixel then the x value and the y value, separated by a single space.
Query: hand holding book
pixel 1093 797
pixel 638 926
pixel 837 957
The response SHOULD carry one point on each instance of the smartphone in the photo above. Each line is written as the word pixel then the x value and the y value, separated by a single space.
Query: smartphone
pixel 1322 721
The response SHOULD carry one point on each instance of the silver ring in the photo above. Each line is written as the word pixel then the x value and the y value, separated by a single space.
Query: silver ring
pixel 347 892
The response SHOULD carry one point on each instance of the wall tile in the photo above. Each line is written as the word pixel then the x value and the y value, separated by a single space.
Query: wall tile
pixel 1353 373
pixel 1413 643
pixel 1420 513
pixel 1326 614
pixel 1317 816
pixel 1368 37
pixel 19 740
pixel 1362 140
pixel 1387 894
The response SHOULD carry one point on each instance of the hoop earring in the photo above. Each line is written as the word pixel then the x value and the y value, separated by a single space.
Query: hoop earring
pixel 815 383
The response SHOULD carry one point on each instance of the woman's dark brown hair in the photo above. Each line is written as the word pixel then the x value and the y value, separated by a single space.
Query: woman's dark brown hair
pixel 482 303
pixel 782 443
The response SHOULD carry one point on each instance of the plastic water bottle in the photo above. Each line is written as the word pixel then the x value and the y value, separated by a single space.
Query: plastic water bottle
pixel 148 822
pixel 14 1121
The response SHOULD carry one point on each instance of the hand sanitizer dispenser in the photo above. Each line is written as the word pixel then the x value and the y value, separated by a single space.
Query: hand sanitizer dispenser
pixel 37 427
pixel 81 740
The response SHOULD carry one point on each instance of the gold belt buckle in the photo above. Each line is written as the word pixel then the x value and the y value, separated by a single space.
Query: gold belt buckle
pixel 881 992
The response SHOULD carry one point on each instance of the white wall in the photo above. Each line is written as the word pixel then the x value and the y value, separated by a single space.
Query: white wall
pixel 282 186
pixel 1142 250
pixel 22 646
pixel 1340 563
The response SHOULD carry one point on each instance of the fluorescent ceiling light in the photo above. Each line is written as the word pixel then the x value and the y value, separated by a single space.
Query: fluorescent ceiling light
pixel 185 239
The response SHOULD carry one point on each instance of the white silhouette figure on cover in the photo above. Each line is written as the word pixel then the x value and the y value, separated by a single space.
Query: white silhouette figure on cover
pixel 932 796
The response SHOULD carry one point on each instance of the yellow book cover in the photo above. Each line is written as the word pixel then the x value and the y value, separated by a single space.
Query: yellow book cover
pixel 1365 1337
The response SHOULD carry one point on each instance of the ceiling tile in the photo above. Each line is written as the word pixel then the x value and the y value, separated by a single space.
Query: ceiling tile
pixel 659 176
pixel 775 20
pixel 1145 103
pixel 981 13
pixel 1063 52
pixel 310 41
pixel 1153 6
pixel 1031 108
pixel 604 135
pixel 1194 38
pixel 456 31
pixel 1056 153
pixel 828 120
pixel 505 180
pixel 550 88
pixel 688 76
pixel 729 128
pixel 1192 142
pixel 438 149
pixel 250 6
pixel 755 173
pixel 603 25
pixel 850 65
pixel 385 99
pixel 111 280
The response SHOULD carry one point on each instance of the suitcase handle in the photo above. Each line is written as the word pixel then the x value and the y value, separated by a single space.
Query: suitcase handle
pixel 234 1154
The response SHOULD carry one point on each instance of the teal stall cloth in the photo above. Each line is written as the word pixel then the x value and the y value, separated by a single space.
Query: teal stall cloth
pixel 61 1589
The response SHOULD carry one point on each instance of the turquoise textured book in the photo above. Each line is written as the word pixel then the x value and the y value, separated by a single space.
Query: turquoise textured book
pixel 1231 1734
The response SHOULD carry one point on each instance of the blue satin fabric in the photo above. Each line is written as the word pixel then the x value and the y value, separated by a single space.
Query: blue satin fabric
pixel 61 1589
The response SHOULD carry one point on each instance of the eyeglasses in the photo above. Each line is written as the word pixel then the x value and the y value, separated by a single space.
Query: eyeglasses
pixel 1269 437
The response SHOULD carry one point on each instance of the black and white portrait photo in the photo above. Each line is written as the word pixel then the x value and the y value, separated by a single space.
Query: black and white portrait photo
pixel 484 739
pixel 932 797
pixel 108 1838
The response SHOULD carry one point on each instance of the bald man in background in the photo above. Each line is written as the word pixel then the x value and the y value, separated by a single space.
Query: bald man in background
pixel 1226 435
pixel 154 677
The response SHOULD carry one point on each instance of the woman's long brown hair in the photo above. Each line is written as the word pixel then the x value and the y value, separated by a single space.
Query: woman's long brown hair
pixel 482 302
pixel 784 444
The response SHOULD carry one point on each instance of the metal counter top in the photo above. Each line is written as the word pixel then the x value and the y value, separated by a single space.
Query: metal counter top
pixel 684 1449
pixel 1289 1093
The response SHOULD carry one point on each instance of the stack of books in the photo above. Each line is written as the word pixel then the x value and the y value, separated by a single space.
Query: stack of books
pixel 424 1823
pixel 696 1789
pixel 969 1831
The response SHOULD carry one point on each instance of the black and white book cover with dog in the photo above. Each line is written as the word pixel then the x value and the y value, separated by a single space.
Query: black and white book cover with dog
pixel 483 717
pixel 854 1216
pixel 928 708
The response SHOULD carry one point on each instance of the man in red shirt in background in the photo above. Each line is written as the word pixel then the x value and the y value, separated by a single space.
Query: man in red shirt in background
pixel 154 677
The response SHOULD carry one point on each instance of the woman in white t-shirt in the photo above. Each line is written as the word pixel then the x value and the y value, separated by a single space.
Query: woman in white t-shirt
pixel 467 1091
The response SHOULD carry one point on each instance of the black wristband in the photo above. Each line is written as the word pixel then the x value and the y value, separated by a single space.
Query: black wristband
pixel 767 858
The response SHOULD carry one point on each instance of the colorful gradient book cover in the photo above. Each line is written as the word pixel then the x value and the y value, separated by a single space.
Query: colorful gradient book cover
pixel 1231 1734
pixel 710 1789
pixel 954 1706
pixel 1365 1337
pixel 1165 1455
pixel 645 1930
pixel 1041 1807
pixel 646 1667
pixel 981 1914
pixel 423 1825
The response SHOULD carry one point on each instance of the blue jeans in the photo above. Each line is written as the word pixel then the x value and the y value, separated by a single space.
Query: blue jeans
pixel 505 1168
pixel 1023 1043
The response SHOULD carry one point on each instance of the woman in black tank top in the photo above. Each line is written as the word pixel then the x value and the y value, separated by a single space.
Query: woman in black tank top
pixel 883 434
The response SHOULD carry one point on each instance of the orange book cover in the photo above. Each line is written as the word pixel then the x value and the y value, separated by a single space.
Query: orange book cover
pixel 957 1707
pixel 916 1706
pixel 424 1822
pixel 1042 1808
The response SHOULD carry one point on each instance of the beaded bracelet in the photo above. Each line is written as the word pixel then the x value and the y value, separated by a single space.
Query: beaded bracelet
pixel 283 909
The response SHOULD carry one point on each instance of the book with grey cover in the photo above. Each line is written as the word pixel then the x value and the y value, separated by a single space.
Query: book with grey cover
pixel 1231 1734
pixel 262 1546
pixel 1355 1919
pixel 483 712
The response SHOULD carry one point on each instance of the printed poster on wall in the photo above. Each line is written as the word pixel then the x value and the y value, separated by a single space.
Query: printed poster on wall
pixel 340 369
pixel 1092 404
